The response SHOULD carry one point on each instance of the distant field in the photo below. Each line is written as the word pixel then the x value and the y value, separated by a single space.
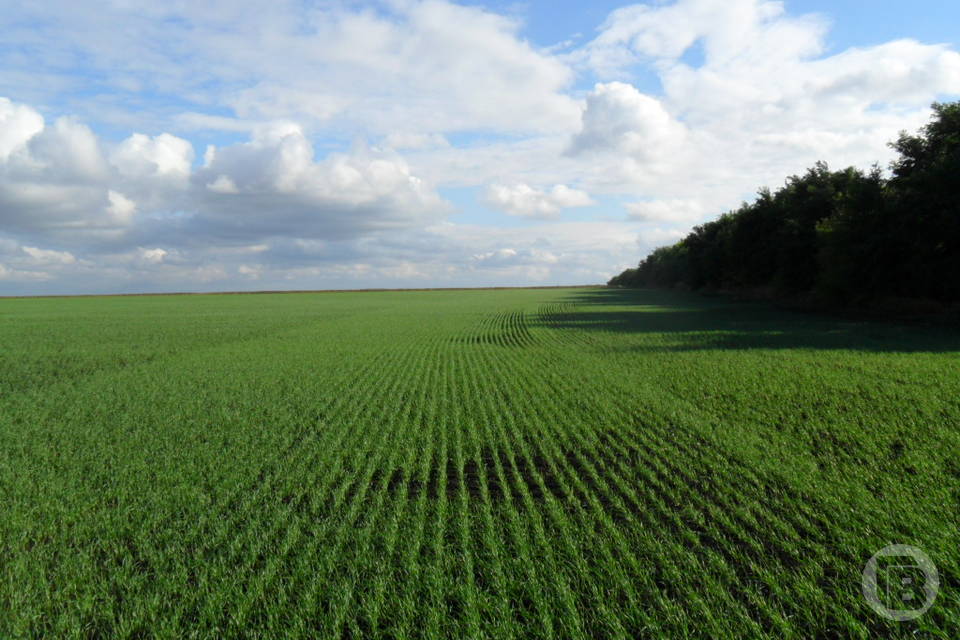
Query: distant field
pixel 467 464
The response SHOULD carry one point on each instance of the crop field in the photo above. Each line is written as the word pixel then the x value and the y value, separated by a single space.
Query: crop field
pixel 556 463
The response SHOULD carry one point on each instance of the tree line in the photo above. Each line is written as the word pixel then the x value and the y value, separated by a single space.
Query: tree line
pixel 850 236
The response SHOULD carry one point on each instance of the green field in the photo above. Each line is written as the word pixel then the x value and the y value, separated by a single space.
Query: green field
pixel 467 464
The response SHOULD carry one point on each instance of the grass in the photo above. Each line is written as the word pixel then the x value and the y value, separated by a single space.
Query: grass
pixel 467 464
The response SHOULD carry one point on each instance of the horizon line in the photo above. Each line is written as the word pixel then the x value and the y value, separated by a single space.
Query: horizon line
pixel 280 291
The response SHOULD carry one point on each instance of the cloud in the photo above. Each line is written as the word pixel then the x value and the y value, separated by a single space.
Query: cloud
pixel 758 57
pixel 58 179
pixel 53 177
pixel 18 123
pixel 57 182
pixel 400 141
pixel 520 199
pixel 666 211
pixel 223 184
pixel 421 67
pixel 153 256
pixel 121 208
pixel 338 128
pixel 66 151
pixel 619 118
pixel 252 272
pixel 48 256
pixel 557 252
pixel 164 156
pixel 765 102
pixel 32 265
pixel 272 185
pixel 496 257
pixel 727 29
pixel 9 274
pixel 427 66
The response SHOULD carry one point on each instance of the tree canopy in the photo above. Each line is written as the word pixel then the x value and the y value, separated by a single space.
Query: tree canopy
pixel 850 235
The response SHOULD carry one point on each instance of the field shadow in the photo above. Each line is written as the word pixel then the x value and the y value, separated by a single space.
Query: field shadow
pixel 689 322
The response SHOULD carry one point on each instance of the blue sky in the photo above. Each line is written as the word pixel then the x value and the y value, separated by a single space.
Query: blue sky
pixel 855 22
pixel 251 145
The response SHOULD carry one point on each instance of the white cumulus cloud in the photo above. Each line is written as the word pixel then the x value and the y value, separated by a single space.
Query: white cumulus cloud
pixel 340 127
pixel 521 199
pixel 670 211
pixel 223 184
pixel 273 185
pixel 57 180
pixel 153 256
pixel 53 178
pixel 18 123
pixel 164 155
pixel 49 256
pixel 618 117
pixel 401 141
pixel 121 208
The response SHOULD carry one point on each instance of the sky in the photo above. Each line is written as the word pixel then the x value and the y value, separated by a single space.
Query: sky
pixel 230 145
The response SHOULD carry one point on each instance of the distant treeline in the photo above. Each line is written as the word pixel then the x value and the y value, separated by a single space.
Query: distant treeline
pixel 850 236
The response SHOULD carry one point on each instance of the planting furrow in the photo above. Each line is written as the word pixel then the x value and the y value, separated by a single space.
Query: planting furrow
pixel 488 549
pixel 409 622
pixel 807 522
pixel 540 474
pixel 334 534
pixel 560 328
pixel 706 533
pixel 624 505
pixel 264 503
pixel 504 329
pixel 400 488
pixel 525 479
pixel 770 519
pixel 529 589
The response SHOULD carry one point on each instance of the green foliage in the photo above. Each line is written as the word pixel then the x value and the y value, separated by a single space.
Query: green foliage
pixel 849 235
pixel 467 464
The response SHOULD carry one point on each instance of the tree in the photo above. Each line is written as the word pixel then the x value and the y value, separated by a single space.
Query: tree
pixel 848 234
